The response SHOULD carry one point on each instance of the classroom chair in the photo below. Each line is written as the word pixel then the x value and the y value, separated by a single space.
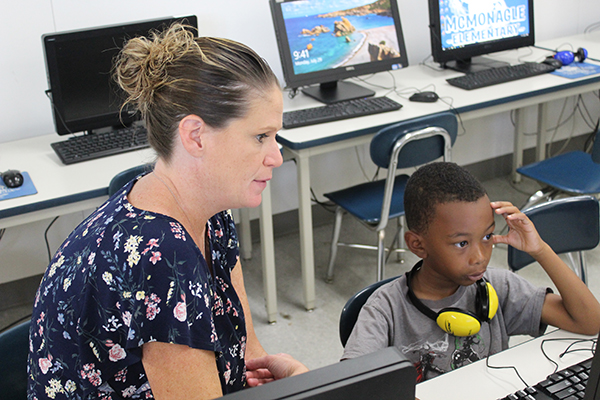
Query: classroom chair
pixel 403 145
pixel 353 306
pixel 572 173
pixel 123 177
pixel 569 225
pixel 14 348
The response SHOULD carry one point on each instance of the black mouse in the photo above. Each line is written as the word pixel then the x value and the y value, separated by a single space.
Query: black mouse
pixel 553 62
pixel 12 178
pixel 425 97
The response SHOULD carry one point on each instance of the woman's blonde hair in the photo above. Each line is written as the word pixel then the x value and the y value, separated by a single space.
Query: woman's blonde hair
pixel 173 74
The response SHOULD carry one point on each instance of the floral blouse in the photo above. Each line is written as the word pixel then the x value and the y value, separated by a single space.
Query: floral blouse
pixel 125 277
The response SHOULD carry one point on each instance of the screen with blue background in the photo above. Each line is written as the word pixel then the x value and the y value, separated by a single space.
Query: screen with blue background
pixel 465 22
pixel 316 50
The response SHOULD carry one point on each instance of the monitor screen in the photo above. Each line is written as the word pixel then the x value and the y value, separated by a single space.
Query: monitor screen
pixel 78 65
pixel 463 29
pixel 326 41
pixel 385 374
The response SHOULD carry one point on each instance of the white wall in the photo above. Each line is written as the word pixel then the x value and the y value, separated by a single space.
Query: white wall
pixel 25 110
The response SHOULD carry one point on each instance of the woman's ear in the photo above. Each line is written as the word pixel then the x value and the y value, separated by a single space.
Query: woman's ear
pixel 191 130
pixel 414 242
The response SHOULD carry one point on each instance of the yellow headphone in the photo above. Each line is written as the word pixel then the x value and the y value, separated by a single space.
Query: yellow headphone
pixel 454 320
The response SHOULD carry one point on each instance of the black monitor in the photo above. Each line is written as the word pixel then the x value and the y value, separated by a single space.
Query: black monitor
pixel 385 374
pixel 78 65
pixel 323 42
pixel 463 29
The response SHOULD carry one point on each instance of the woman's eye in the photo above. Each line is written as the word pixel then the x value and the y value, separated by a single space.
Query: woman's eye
pixel 488 236
pixel 461 244
pixel 262 137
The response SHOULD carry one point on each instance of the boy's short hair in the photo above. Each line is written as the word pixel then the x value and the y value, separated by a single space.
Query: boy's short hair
pixel 433 184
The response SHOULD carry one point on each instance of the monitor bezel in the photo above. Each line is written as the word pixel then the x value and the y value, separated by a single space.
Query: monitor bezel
pixel 466 53
pixel 55 91
pixel 383 374
pixel 293 80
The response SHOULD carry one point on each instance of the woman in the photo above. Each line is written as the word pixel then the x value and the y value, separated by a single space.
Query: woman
pixel 146 297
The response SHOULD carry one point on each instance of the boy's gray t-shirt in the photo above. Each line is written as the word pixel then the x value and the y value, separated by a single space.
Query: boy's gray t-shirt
pixel 389 319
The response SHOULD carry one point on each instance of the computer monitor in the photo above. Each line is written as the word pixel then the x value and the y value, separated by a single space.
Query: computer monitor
pixel 78 65
pixel 463 29
pixel 385 374
pixel 322 42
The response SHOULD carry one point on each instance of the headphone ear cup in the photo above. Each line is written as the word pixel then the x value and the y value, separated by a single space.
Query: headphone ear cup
pixel 566 57
pixel 492 301
pixel 458 322
pixel 581 54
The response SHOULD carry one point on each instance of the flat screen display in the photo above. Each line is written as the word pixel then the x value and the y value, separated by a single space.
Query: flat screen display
pixel 329 40
pixel 462 29
pixel 79 64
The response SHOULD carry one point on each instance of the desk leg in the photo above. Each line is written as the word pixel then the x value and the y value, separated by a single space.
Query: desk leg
pixel 518 147
pixel 245 234
pixel 542 127
pixel 268 255
pixel 306 232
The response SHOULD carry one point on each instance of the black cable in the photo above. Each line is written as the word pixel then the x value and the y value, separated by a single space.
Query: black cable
pixel 46 238
pixel 487 363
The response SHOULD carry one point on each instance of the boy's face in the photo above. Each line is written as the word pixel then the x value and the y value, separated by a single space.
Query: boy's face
pixel 458 243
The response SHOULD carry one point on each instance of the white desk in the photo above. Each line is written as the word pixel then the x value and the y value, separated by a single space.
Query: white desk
pixel 64 189
pixel 303 143
pixel 477 382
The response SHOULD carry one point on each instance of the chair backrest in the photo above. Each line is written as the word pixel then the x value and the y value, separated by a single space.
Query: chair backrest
pixel 417 150
pixel 596 147
pixel 14 348
pixel 123 177
pixel 352 308
pixel 409 144
pixel 568 225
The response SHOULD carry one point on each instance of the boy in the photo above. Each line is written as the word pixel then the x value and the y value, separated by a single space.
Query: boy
pixel 450 310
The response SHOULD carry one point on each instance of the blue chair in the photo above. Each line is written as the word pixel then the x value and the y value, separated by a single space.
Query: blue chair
pixel 568 225
pixel 123 177
pixel 353 306
pixel 14 348
pixel 573 173
pixel 403 145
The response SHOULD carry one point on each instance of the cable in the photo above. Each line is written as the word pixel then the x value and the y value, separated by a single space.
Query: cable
pixel 46 238
pixel 487 363
pixel 568 349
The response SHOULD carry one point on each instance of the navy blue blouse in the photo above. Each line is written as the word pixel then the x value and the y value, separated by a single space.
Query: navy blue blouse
pixel 125 277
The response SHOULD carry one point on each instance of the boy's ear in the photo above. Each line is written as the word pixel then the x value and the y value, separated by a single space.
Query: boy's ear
pixel 414 242
pixel 191 129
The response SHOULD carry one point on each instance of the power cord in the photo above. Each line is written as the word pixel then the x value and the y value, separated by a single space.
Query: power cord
pixel 46 238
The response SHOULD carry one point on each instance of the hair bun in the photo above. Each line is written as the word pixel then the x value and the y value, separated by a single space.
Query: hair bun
pixel 142 65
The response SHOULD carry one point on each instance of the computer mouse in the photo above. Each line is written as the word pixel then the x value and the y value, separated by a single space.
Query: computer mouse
pixel 556 63
pixel 425 97
pixel 12 178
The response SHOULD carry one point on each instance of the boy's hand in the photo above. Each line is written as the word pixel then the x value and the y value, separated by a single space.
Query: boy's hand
pixel 522 235
pixel 272 367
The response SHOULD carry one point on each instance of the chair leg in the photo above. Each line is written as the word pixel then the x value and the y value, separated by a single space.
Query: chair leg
pixel 337 227
pixel 380 254
pixel 545 194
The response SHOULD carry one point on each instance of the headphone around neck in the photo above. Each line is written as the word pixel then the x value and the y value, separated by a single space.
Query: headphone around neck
pixel 456 321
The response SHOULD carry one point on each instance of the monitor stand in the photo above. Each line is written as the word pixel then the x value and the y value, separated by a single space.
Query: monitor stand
pixel 475 64
pixel 332 92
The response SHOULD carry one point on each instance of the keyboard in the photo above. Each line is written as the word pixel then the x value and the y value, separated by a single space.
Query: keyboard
pixel 338 111
pixel 566 384
pixel 96 145
pixel 495 76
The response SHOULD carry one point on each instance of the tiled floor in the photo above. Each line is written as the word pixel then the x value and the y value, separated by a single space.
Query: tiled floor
pixel 312 337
